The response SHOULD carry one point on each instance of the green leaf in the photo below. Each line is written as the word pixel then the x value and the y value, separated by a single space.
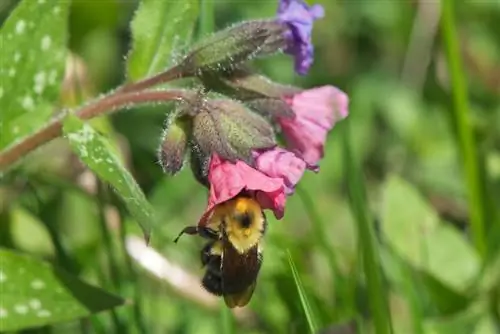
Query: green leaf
pixel 160 29
pixel 433 247
pixel 96 152
pixel 32 59
pixel 311 319
pixel 37 294
pixel 473 320
pixel 424 293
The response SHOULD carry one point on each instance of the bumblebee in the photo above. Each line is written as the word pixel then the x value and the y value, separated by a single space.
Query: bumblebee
pixel 233 255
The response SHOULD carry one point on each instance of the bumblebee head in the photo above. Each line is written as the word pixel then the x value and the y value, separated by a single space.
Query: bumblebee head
pixel 244 223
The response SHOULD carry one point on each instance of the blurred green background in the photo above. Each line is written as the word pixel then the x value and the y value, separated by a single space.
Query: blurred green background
pixel 388 56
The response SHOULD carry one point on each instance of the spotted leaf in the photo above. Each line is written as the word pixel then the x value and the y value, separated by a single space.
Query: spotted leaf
pixel 32 59
pixel 98 154
pixel 36 294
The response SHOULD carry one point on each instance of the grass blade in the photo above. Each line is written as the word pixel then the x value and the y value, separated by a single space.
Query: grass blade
pixel 369 252
pixel 311 319
pixel 207 17
pixel 226 319
pixel 463 125
pixel 341 283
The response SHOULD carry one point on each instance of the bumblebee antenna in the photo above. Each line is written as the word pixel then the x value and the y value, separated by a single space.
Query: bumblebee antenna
pixel 191 230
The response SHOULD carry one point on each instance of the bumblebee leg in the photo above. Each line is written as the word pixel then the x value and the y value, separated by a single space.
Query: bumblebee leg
pixel 206 254
pixel 191 230
pixel 208 233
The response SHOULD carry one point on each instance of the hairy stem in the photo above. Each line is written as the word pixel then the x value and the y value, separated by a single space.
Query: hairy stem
pixel 100 107
pixel 163 77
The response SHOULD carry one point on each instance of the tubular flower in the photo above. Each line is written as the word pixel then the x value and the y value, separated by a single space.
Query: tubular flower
pixel 316 112
pixel 283 164
pixel 227 180
pixel 299 17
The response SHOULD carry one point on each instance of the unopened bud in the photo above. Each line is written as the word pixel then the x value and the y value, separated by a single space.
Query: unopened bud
pixel 271 108
pixel 199 161
pixel 174 144
pixel 255 90
pixel 228 128
pixel 233 46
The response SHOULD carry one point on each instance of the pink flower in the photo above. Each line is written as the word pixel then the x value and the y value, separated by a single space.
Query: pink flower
pixel 316 112
pixel 283 164
pixel 228 179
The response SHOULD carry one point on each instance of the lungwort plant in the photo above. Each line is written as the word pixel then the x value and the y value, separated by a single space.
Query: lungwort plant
pixel 381 204
pixel 224 124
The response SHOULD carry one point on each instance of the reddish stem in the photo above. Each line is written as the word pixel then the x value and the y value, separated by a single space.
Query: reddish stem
pixel 169 75
pixel 100 107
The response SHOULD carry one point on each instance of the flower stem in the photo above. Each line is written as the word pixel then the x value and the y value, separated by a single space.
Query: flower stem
pixel 463 125
pixel 163 77
pixel 100 107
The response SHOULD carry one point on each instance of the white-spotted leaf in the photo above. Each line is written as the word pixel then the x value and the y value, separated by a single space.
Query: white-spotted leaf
pixel 32 57
pixel 160 29
pixel 33 294
pixel 414 231
pixel 96 152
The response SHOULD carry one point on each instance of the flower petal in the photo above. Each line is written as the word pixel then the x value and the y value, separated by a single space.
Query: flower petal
pixel 228 179
pixel 300 18
pixel 281 163
pixel 316 112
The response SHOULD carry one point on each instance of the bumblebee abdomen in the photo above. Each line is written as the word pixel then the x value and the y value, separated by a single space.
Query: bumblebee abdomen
pixel 212 283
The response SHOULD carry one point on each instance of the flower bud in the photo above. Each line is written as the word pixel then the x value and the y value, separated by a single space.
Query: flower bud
pixel 255 90
pixel 226 127
pixel 271 108
pixel 199 162
pixel 174 143
pixel 235 45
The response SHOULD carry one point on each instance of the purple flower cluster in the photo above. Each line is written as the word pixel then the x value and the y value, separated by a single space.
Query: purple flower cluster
pixel 299 17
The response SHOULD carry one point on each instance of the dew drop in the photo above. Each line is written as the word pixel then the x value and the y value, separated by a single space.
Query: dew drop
pixel 46 42
pixel 20 26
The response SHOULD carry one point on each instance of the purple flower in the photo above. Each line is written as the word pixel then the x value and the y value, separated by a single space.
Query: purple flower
pixel 299 18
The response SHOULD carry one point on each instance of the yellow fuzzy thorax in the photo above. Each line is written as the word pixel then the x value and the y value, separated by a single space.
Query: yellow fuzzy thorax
pixel 231 213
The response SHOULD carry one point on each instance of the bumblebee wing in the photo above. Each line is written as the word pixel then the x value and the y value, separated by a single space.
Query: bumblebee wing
pixel 240 299
pixel 239 273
